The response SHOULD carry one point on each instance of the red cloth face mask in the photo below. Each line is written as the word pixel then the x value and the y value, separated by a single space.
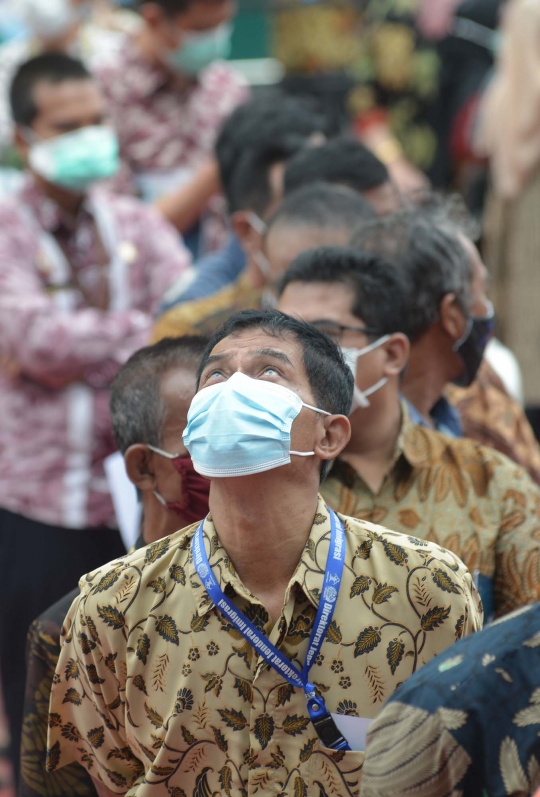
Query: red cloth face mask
pixel 195 489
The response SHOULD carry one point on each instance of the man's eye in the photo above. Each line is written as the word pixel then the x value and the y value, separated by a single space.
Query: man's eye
pixel 270 371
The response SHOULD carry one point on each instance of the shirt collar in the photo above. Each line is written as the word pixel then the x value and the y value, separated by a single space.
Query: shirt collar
pixel 444 415
pixel 418 445
pixel 415 444
pixel 308 576
pixel 47 212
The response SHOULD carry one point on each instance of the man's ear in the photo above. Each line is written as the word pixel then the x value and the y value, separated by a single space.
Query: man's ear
pixel 452 317
pixel 139 467
pixel 250 239
pixel 397 354
pixel 337 434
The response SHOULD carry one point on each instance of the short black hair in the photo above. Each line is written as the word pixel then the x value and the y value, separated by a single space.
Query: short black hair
pixel 328 374
pixel 52 68
pixel 378 291
pixel 266 123
pixel 428 252
pixel 137 411
pixel 323 206
pixel 342 160
pixel 250 186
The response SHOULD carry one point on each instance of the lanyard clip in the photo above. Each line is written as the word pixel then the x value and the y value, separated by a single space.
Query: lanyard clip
pixel 324 724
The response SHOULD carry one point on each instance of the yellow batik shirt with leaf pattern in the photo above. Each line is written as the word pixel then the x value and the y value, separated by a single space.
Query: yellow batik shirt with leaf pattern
pixel 467 497
pixel 156 694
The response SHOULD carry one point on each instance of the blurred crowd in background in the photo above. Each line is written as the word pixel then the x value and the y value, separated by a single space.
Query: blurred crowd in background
pixel 162 165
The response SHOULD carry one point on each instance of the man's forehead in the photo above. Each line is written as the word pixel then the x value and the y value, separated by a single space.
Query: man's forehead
pixel 256 340
pixel 79 92
pixel 315 301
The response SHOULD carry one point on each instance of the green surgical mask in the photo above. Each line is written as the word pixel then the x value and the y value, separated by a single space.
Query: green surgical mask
pixel 199 48
pixel 78 159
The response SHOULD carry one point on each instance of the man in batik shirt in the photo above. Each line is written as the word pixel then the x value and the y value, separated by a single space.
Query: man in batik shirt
pixel 169 92
pixel 450 319
pixel 158 691
pixel 467 723
pixel 81 272
pixel 452 491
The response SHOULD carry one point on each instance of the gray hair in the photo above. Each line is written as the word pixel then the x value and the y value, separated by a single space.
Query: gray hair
pixel 137 409
pixel 324 206
pixel 423 242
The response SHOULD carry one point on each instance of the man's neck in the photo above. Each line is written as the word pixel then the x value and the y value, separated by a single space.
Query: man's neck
pixel 145 43
pixel 158 521
pixel 374 434
pixel 69 202
pixel 147 46
pixel 425 379
pixel 264 528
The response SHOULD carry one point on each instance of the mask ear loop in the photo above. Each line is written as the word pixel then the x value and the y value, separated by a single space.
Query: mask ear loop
pixel 163 453
pixel 257 223
pixel 463 338
pixel 309 453
pixel 375 387
pixel 160 498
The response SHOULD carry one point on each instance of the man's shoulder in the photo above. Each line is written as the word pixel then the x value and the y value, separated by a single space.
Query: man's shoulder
pixel 116 60
pixel 462 451
pixel 502 653
pixel 202 316
pixel 399 548
pixel 221 76
pixel 213 272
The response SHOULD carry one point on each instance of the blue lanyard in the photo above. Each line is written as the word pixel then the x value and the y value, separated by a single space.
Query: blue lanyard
pixel 319 715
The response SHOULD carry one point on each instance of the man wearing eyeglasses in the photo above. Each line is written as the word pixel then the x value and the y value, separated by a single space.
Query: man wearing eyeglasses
pixel 466 497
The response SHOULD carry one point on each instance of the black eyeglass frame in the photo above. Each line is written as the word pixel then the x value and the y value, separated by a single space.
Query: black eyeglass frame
pixel 341 328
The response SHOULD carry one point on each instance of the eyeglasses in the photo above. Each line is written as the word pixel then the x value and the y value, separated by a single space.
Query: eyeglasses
pixel 336 331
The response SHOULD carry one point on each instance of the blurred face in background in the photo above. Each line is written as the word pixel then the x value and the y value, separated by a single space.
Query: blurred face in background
pixel 189 41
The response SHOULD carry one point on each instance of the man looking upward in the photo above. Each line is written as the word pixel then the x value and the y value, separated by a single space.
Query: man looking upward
pixel 199 681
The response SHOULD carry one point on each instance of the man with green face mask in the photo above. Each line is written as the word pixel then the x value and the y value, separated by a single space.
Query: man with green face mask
pixel 169 91
pixel 81 272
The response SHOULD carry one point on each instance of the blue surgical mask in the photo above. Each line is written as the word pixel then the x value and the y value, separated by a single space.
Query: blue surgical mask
pixel 242 426
pixel 198 49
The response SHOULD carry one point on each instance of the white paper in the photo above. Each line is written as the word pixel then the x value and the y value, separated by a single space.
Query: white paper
pixel 354 729
pixel 124 496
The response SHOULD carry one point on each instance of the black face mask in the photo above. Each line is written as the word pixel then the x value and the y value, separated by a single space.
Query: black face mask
pixel 472 345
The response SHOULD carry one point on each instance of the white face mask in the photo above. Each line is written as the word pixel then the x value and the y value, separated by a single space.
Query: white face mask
pixel 360 397
pixel 49 19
